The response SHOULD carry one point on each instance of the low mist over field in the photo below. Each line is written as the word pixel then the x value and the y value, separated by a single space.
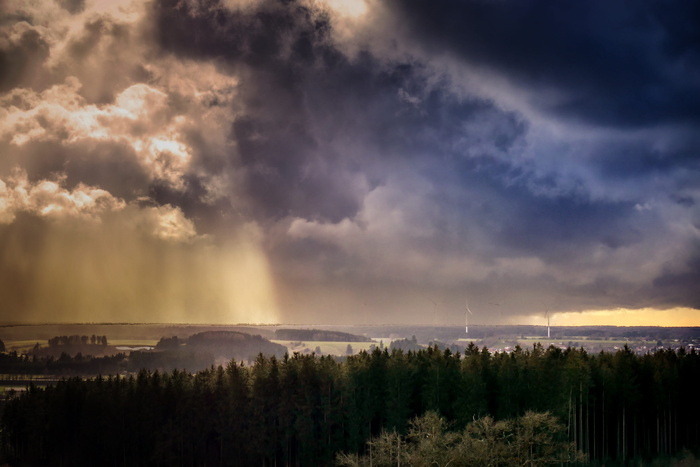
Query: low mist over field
pixel 349 162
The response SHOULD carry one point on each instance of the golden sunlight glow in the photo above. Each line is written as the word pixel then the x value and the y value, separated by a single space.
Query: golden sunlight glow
pixel 246 275
pixel 622 317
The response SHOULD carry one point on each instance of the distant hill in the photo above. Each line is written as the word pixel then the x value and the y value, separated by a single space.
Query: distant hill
pixel 318 335
pixel 233 345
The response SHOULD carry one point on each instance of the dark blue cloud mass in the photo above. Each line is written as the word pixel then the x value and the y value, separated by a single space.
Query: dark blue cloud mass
pixel 616 63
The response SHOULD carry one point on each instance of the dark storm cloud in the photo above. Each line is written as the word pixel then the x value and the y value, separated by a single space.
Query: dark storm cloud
pixel 274 48
pixel 304 106
pixel 615 67
pixel 72 6
pixel 310 118
pixel 629 160
pixel 680 287
pixel 301 99
pixel 260 36
pixel 623 64
pixel 210 216
pixel 556 229
pixel 23 50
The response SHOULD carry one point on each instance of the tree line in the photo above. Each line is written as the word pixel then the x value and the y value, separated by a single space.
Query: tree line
pixel 77 340
pixel 305 409
pixel 87 365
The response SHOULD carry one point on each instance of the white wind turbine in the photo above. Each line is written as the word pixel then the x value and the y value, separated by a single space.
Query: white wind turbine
pixel 467 312
pixel 546 315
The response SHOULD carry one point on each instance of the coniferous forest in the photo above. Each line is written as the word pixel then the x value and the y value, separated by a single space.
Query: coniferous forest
pixel 538 406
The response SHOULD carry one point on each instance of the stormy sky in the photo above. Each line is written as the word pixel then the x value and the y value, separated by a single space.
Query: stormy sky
pixel 349 161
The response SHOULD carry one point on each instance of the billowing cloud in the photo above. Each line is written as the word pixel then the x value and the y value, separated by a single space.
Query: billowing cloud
pixel 48 199
pixel 138 119
pixel 308 160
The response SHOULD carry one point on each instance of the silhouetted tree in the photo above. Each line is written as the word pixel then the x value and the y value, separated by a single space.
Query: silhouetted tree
pixel 534 439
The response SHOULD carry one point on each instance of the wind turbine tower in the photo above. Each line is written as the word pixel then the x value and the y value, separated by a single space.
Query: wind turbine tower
pixel 546 315
pixel 467 312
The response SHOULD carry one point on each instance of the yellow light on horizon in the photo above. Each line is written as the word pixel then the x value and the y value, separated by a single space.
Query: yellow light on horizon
pixel 672 317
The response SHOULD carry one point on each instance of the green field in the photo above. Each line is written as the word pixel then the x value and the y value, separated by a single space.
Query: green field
pixel 22 345
pixel 133 342
pixel 327 348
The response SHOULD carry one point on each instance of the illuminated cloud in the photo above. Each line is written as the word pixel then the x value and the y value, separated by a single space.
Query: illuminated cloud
pixel 166 223
pixel 138 118
pixel 48 199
